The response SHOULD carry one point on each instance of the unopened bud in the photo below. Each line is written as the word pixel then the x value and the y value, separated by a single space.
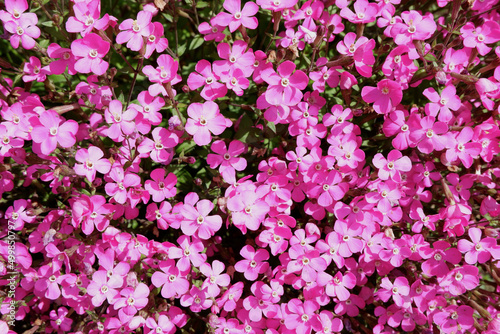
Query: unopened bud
pixel 441 77
pixel 491 232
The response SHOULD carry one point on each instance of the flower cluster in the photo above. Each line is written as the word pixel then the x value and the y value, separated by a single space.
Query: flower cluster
pixel 257 167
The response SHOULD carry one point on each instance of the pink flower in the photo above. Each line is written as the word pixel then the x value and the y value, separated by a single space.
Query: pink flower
pixel 237 16
pixel 132 299
pixel 189 253
pixel 238 57
pixel 92 212
pixel 212 31
pixel 308 263
pixel 160 149
pixel 8 139
pixel 365 12
pixel 254 264
pixel 91 162
pixel 59 321
pixel 123 181
pixel 122 122
pixel 227 158
pixel 442 104
pixel 248 209
pixel 461 148
pixel 67 60
pixel 399 291
pixel 386 96
pixel 166 72
pixel 285 87
pixel 205 119
pixel 392 166
pixel 23 30
pixel 452 316
pixel 196 219
pixel 89 52
pixel 49 130
pixel 302 317
pixel 134 31
pixel 170 279
pixel 161 187
pixel 415 27
pixel 34 71
pixel 155 41
pixel 214 277
pixel 86 18
pixel 206 78
pixel 477 250
pixel 101 288
pixel 337 286
pixel 478 37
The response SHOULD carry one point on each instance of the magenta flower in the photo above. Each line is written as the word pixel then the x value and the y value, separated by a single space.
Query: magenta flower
pixel 92 212
pixel 477 250
pixel 34 71
pixel 442 104
pixel 285 87
pixel 89 52
pixel 392 166
pixel 302 316
pixel 155 41
pixel 237 16
pixel 386 96
pixel 214 277
pixel 101 288
pixel 450 318
pixel 414 27
pixel 15 10
pixel 132 299
pixel 65 59
pixel 160 148
pixel 205 119
pixel 134 31
pixel 478 37
pixel 23 30
pixel 212 89
pixel 428 135
pixel 330 189
pixel 59 321
pixel 122 122
pixel 50 130
pixel 212 31
pixel 254 264
pixel 462 148
pixel 166 72
pixel 87 17
pixel 338 285
pixel 196 219
pixel 171 280
pixel 460 280
pixel 399 291
pixel 91 162
pixel 161 187
pixel 123 181
pixel 227 158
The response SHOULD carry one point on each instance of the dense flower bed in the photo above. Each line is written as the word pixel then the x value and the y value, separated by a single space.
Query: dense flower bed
pixel 250 167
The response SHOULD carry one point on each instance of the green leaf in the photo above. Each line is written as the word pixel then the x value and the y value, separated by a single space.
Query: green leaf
pixel 181 50
pixel 272 126
pixel 196 43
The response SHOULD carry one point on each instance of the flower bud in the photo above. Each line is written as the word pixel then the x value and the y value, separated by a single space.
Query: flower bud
pixel 491 232
pixel 441 77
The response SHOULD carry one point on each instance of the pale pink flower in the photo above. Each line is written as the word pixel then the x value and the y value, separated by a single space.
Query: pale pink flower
pixel 205 119
pixel 237 17
pixel 50 130
pixel 91 162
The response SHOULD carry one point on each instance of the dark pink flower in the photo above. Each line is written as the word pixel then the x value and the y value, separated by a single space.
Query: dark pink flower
pixel 386 96
pixel 89 52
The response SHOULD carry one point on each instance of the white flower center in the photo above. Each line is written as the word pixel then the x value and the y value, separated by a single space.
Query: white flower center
pixel 93 53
